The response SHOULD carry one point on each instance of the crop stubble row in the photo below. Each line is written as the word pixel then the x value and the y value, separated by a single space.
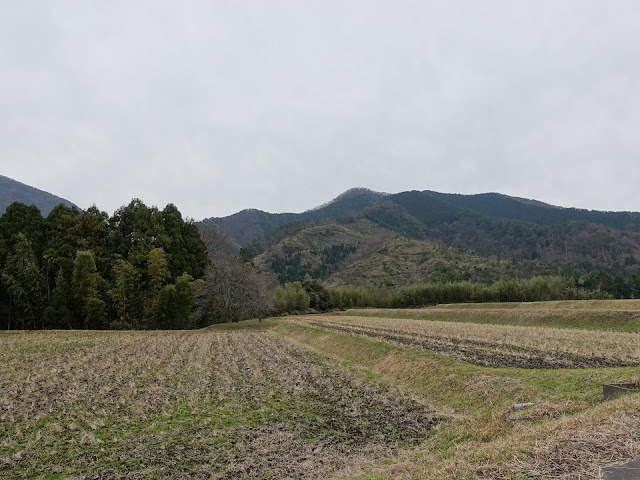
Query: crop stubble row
pixel 494 345
pixel 192 404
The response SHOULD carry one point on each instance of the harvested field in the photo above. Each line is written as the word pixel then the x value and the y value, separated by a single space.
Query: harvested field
pixel 603 305
pixel 494 345
pixel 532 315
pixel 206 404
pixel 572 434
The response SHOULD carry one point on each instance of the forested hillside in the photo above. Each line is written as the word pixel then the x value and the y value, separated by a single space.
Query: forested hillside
pixel 404 262
pixel 503 206
pixel 322 249
pixel 14 191
pixel 423 215
pixel 249 225
pixel 148 268
pixel 487 237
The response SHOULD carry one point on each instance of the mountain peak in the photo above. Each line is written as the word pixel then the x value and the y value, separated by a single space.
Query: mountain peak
pixel 350 194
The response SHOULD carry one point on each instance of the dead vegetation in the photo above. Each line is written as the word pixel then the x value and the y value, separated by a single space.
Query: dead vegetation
pixel 494 345
pixel 591 316
pixel 573 447
pixel 263 400
pixel 208 404
pixel 570 436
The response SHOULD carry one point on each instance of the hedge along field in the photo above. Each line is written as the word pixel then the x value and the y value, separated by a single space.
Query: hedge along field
pixel 218 403
pixel 493 345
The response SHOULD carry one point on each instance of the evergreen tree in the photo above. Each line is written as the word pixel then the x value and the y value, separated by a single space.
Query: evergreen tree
pixel 22 219
pixel 58 313
pixel 174 308
pixel 157 269
pixel 84 284
pixel 24 284
pixel 124 290
pixel 318 295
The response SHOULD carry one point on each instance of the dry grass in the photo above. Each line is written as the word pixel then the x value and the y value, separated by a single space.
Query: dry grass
pixel 607 305
pixel 262 400
pixel 572 447
pixel 574 434
pixel 541 314
pixel 494 345
pixel 208 404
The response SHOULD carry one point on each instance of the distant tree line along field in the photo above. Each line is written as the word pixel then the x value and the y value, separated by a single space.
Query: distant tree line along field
pixel 298 297
pixel 145 268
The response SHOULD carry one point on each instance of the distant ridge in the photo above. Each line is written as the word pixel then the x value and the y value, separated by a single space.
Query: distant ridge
pixel 367 237
pixel 13 191
pixel 416 213
pixel 248 225
pixel 515 208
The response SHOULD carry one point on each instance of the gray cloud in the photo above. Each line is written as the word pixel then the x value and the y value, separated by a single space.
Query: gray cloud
pixel 222 105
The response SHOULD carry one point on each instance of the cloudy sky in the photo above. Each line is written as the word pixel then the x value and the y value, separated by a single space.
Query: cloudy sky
pixel 281 105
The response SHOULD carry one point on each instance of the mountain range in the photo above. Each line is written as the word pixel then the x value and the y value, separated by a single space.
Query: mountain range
pixel 411 237
pixel 420 236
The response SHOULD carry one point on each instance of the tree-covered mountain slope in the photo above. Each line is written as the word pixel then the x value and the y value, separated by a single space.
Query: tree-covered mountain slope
pixel 535 237
pixel 249 225
pixel 504 206
pixel 421 215
pixel 322 249
pixel 360 251
pixel 14 191
pixel 404 261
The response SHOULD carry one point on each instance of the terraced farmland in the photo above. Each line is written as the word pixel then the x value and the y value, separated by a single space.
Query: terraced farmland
pixel 612 315
pixel 364 397
pixel 208 404
pixel 494 345
pixel 475 372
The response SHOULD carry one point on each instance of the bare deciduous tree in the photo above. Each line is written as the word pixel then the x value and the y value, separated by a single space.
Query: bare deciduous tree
pixel 232 290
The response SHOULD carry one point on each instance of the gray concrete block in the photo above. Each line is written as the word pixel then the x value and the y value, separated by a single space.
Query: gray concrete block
pixel 626 471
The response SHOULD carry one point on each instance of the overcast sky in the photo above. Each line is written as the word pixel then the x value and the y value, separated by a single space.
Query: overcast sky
pixel 218 106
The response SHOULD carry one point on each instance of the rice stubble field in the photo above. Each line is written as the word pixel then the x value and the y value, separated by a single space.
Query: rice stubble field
pixel 204 404
pixel 363 394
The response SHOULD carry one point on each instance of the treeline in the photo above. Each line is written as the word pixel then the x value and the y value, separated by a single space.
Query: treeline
pixel 497 205
pixel 145 268
pixel 299 297
pixel 140 268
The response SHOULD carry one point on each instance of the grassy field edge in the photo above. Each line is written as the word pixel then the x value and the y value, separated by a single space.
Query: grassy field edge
pixel 477 440
pixel 623 320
